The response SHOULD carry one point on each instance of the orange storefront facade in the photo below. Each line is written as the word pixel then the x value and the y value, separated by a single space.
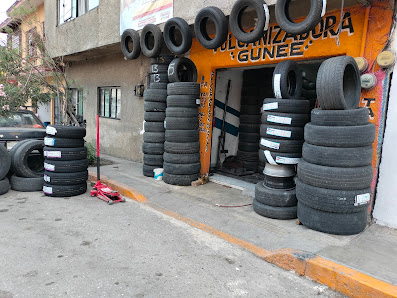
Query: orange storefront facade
pixel 364 33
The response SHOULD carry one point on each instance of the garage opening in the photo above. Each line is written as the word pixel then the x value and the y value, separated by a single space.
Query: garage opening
pixel 239 94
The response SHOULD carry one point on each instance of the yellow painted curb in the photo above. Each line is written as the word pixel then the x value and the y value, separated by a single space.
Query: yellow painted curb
pixel 350 282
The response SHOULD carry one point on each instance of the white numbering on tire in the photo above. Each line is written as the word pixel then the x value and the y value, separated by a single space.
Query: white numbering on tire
pixel 267 17
pixel 155 69
pixel 278 132
pixel 269 158
pixel 51 130
pixel 165 124
pixel 47 178
pixel 287 160
pixel 278 119
pixel 270 106
pixel 49 141
pixel 171 69
pixel 362 199
pixel 198 101
pixel 324 8
pixel 270 144
pixel 156 78
pixel 276 85
pixel 53 154
pixel 49 167
pixel 47 189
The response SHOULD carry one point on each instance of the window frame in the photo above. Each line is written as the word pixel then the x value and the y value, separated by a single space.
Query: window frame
pixel 117 105
pixel 31 46
pixel 77 101
pixel 77 9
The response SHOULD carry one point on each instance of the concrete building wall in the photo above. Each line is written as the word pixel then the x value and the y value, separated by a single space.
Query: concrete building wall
pixel 122 137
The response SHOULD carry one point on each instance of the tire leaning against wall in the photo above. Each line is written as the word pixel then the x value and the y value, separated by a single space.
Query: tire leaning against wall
pixel 169 35
pixel 158 40
pixel 130 35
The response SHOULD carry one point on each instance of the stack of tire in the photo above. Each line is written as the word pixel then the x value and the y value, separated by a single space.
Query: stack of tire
pixel 335 173
pixel 182 148
pixel 281 132
pixel 65 161
pixel 5 164
pixel 27 165
pixel 155 104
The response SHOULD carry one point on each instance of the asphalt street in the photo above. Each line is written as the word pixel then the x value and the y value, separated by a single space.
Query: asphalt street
pixel 82 247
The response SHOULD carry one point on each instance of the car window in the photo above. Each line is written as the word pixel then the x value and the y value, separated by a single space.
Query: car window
pixel 20 120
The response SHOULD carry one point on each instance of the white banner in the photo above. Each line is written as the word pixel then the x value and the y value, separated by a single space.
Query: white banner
pixel 135 14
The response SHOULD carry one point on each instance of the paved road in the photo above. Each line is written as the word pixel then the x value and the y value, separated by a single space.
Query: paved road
pixel 81 247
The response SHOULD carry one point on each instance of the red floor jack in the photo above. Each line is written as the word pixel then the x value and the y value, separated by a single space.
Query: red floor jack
pixel 102 191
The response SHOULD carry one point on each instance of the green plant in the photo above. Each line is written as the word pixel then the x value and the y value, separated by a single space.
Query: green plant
pixel 91 153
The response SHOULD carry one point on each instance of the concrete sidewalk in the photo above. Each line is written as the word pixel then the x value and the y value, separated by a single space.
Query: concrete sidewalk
pixel 361 265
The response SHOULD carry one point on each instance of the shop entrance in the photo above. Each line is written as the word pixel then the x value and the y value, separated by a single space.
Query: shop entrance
pixel 239 94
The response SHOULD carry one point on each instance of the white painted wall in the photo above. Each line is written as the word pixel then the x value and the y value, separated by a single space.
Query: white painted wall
pixel 385 210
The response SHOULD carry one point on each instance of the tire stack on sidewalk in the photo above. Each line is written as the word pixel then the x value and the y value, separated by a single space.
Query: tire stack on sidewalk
pixel 65 161
pixel 182 148
pixel 155 104
pixel 5 164
pixel 27 165
pixel 281 145
pixel 335 173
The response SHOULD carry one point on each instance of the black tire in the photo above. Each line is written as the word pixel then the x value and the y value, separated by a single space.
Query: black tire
pixel 249 137
pixel 69 166
pixel 158 68
pixel 154 116
pixel 280 158
pixel 25 163
pixel 64 190
pixel 250 100
pixel 155 95
pixel 236 16
pixel 352 117
pixel 338 84
pixel 153 137
pixel 63 131
pixel 154 106
pixel 250 110
pixel 282 146
pixel 279 182
pixel 181 148
pixel 249 128
pixel 331 200
pixel 26 184
pixel 153 148
pixel 182 158
pixel 248 147
pixel 182 180
pixel 250 119
pixel 287 24
pixel 182 70
pixel 181 112
pixel 281 132
pixel 332 223
pixel 65 153
pixel 173 123
pixel 183 88
pixel 65 178
pixel 159 78
pixel 170 39
pixel 337 157
pixel 5 161
pixel 148 170
pixel 289 80
pixel 147 31
pixel 335 177
pixel 182 101
pixel 340 136
pixel 158 86
pixel 275 197
pixel 162 59
pixel 247 156
pixel 250 165
pixel 4 186
pixel 154 127
pixel 181 136
pixel 153 160
pixel 182 169
pixel 63 142
pixel 221 27
pixel 130 35
pixel 274 118
pixel 274 212
pixel 299 106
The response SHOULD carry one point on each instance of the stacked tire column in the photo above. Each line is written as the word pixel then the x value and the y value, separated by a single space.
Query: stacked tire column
pixel 182 148
pixel 155 104
pixel 65 161
pixel 281 142
pixel 335 173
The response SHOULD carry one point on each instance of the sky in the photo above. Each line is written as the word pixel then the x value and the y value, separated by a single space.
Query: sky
pixel 4 5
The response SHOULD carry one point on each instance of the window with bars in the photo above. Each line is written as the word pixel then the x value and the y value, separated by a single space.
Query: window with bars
pixel 31 47
pixel 109 102
pixel 71 9
pixel 77 100
pixel 14 40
